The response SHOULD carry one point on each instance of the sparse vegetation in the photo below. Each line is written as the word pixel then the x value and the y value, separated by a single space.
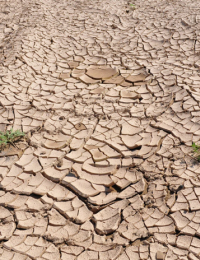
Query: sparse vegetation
pixel 9 137
pixel 132 5
pixel 196 151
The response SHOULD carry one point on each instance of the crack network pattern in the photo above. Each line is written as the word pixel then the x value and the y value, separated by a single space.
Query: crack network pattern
pixel 108 96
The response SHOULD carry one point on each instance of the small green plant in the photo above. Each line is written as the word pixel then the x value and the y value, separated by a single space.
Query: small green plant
pixel 196 150
pixel 132 5
pixel 9 137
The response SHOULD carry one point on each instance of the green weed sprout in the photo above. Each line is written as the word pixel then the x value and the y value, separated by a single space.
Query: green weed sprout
pixel 196 150
pixel 10 136
pixel 132 5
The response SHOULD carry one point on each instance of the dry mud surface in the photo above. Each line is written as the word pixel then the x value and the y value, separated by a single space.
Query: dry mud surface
pixel 109 99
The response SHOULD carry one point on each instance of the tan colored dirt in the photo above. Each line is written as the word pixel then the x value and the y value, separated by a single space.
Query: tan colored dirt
pixel 109 98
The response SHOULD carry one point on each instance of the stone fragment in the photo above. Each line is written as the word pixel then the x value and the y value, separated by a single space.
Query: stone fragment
pixel 80 126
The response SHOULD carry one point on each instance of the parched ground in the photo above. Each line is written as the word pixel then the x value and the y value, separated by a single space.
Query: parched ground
pixel 109 98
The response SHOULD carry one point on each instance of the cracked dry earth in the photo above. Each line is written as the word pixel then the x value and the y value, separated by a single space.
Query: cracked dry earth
pixel 109 99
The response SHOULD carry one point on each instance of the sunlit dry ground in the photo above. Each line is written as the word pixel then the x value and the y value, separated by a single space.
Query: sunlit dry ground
pixel 108 95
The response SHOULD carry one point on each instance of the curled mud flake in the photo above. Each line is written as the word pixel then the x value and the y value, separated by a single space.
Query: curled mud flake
pixel 101 73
